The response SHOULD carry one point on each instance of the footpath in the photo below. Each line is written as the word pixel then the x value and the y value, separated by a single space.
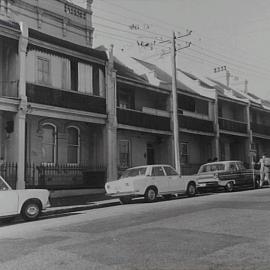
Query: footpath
pixel 79 203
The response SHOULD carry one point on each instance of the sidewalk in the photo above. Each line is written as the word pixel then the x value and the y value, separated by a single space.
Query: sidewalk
pixel 79 203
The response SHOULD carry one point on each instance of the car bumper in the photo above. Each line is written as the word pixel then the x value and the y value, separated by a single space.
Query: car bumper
pixel 121 194
pixel 208 185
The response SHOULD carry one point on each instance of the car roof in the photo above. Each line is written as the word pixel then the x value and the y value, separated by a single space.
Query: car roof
pixel 221 162
pixel 147 166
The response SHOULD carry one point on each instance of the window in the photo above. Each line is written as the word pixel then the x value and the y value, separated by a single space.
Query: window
pixel 126 99
pixel 85 78
pixel 43 70
pixel 170 171
pixel 48 143
pixel 73 145
pixel 232 167
pixel 134 172
pixel 124 155
pixel 186 103
pixel 98 81
pixel 212 168
pixel 157 171
pixel 184 153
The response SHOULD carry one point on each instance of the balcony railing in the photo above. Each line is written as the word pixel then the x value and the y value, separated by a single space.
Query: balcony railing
pixel 140 119
pixel 197 124
pixel 260 129
pixel 65 99
pixel 232 125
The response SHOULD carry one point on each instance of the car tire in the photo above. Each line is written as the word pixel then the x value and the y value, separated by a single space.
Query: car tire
pixel 229 187
pixel 31 210
pixel 150 194
pixel 125 200
pixel 191 190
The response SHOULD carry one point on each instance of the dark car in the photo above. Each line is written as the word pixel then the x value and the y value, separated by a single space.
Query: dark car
pixel 227 174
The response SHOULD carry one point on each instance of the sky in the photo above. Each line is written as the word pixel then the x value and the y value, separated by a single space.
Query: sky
pixel 231 33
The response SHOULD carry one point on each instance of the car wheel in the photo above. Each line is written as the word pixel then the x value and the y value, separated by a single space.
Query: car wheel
pixel 229 187
pixel 31 210
pixel 125 200
pixel 191 190
pixel 150 194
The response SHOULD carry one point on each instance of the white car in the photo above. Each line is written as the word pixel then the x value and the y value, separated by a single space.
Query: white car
pixel 25 202
pixel 149 182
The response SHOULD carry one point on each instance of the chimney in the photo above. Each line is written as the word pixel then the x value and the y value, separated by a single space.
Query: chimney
pixel 89 5
pixel 246 87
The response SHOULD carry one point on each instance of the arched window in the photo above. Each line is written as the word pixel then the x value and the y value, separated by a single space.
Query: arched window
pixel 73 145
pixel 48 143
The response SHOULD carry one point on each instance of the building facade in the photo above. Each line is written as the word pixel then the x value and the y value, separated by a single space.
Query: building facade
pixel 74 117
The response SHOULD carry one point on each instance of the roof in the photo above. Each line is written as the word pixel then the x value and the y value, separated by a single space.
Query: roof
pixel 67 44
pixel 185 84
pixel 125 71
pixel 10 23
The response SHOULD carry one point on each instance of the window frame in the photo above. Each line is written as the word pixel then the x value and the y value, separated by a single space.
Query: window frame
pixel 78 145
pixel 186 155
pixel 54 143
pixel 128 154
pixel 42 81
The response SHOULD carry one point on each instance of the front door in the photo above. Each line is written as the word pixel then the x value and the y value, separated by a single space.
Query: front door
pixel 150 154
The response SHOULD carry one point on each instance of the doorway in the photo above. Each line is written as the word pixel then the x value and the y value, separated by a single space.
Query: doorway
pixel 150 154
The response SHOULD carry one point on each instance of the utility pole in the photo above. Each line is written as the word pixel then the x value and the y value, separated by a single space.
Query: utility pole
pixel 174 99
pixel 175 108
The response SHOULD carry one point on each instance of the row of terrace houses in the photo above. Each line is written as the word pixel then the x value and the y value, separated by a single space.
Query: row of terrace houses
pixel 74 117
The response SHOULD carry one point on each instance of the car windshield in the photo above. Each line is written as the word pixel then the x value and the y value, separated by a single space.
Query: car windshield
pixel 212 167
pixel 134 172
pixel 3 185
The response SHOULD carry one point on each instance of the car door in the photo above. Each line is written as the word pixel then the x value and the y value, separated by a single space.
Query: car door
pixel 176 184
pixel 235 174
pixel 159 179
pixel 246 174
pixel 8 200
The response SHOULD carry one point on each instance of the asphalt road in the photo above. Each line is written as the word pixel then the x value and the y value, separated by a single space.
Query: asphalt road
pixel 220 231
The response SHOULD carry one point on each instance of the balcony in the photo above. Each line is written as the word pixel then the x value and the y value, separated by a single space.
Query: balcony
pixel 260 129
pixel 197 124
pixel 144 120
pixel 232 125
pixel 65 99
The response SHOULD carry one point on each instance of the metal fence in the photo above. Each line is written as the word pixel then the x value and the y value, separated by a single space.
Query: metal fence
pixel 8 170
pixel 56 176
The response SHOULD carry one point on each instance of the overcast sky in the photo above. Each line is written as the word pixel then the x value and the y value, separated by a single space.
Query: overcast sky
pixel 235 33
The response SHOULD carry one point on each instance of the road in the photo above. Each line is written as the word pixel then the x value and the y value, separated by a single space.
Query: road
pixel 213 232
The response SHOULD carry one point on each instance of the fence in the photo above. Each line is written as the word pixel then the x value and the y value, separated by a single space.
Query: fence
pixel 65 176
pixel 55 176
pixel 8 170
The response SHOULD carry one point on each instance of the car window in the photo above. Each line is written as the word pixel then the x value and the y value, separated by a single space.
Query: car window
pixel 232 167
pixel 212 167
pixel 169 170
pixel 134 172
pixel 241 166
pixel 3 185
pixel 157 171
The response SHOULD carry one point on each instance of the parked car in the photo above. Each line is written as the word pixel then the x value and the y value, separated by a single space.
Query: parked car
pixel 26 202
pixel 226 174
pixel 149 182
